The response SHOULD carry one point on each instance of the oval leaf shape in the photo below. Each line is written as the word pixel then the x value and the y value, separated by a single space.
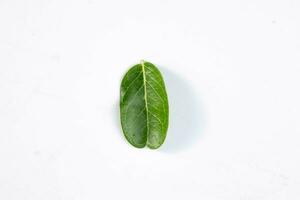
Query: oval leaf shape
pixel 144 106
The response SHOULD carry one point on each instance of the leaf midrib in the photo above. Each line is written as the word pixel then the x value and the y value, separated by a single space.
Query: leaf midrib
pixel 145 97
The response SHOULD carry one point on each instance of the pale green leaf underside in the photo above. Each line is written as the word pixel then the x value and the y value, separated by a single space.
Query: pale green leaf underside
pixel 144 106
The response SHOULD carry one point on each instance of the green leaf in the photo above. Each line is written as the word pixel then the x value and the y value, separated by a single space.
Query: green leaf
pixel 144 106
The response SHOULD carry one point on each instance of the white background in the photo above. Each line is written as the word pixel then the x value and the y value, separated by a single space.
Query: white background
pixel 232 72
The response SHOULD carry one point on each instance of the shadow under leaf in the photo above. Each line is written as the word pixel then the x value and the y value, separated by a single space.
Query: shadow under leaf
pixel 186 120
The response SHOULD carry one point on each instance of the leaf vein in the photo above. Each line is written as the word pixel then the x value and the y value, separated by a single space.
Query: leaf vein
pixel 163 102
pixel 128 105
pixel 161 124
pixel 136 78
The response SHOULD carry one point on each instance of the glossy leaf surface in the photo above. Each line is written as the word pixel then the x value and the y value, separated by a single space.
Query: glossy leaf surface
pixel 144 106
